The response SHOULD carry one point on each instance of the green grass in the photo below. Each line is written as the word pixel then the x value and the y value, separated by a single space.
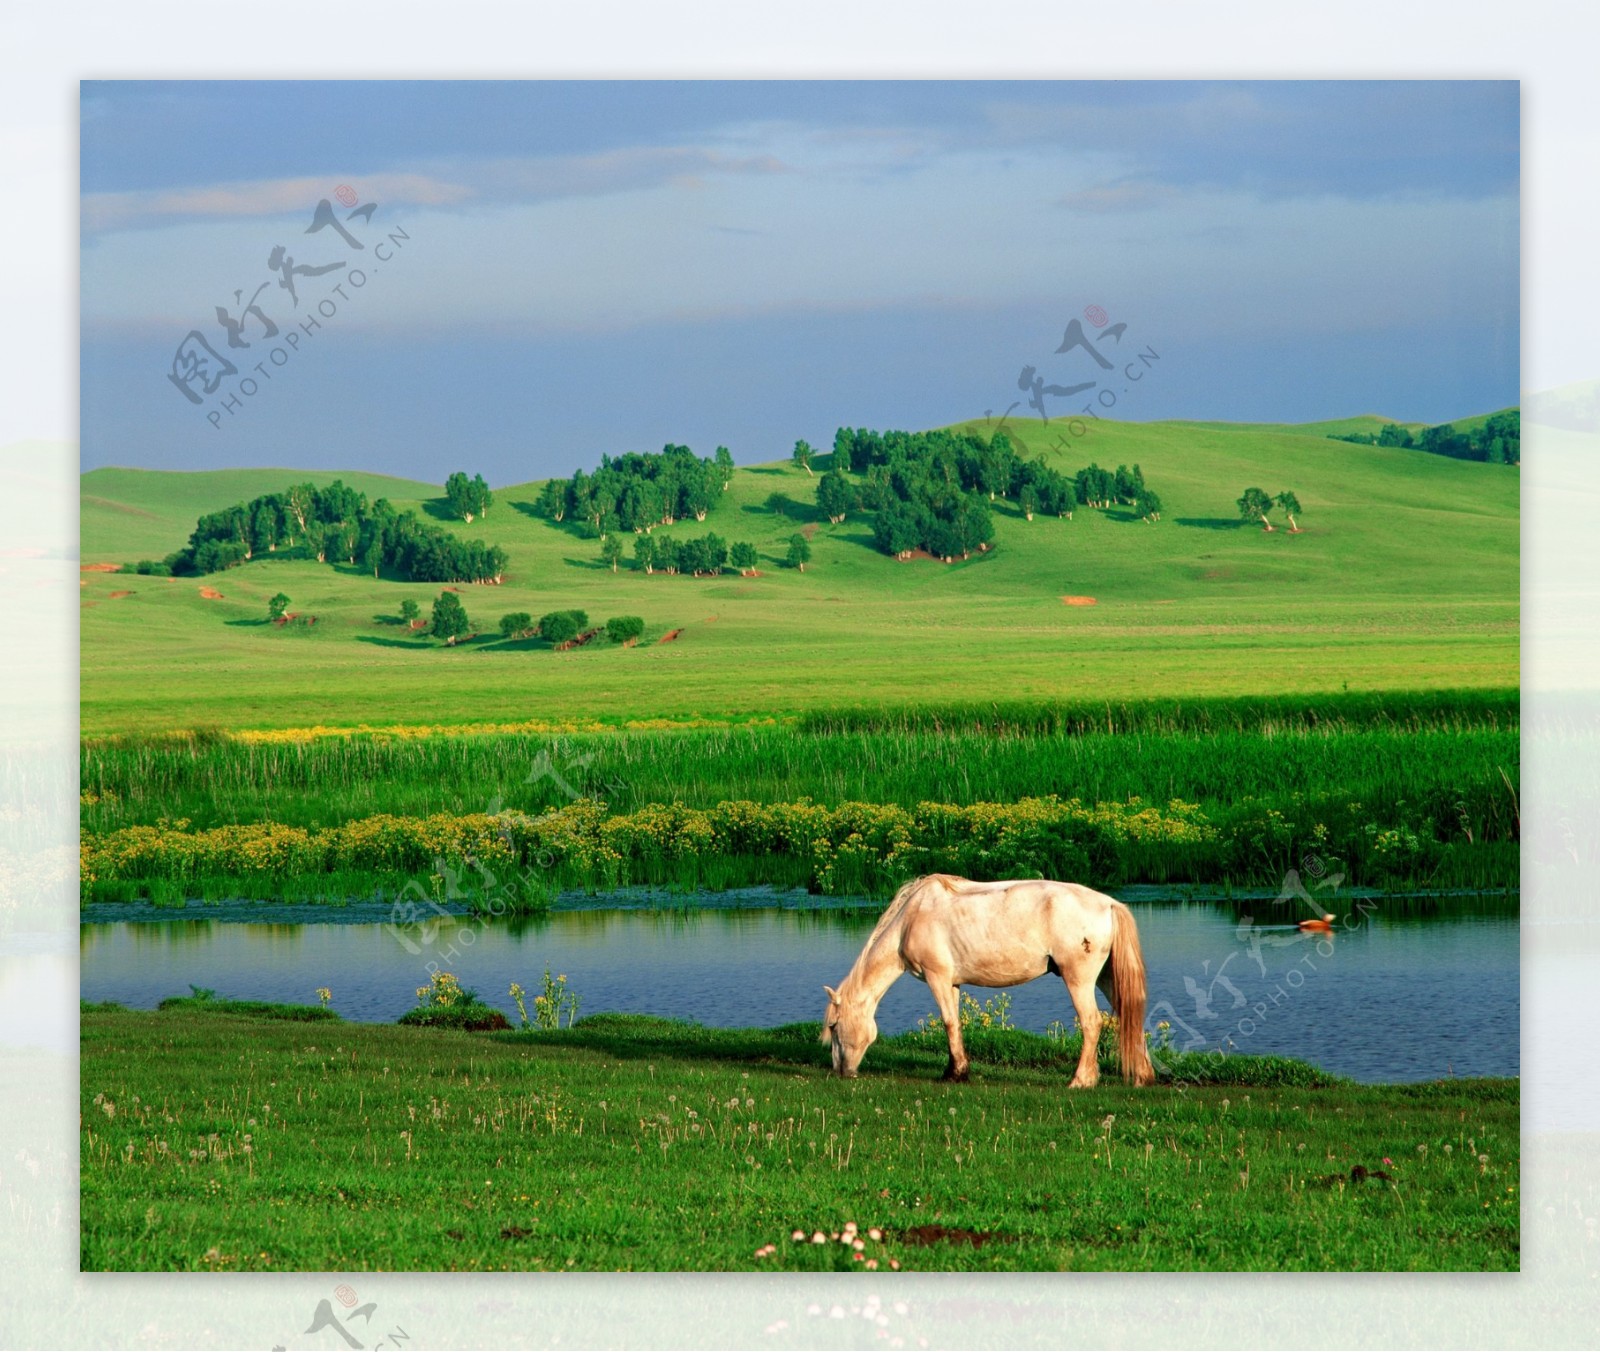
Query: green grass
pixel 628 1143
pixel 1442 768
pixel 206 1002
pixel 1382 751
pixel 1406 577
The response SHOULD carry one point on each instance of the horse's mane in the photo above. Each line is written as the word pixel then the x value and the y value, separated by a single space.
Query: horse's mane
pixel 891 916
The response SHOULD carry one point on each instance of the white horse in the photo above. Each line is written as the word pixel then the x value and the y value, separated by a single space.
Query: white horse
pixel 950 933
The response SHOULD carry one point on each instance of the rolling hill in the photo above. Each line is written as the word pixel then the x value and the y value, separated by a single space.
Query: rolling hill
pixel 1405 576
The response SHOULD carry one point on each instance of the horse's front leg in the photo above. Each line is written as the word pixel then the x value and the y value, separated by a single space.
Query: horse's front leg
pixel 948 996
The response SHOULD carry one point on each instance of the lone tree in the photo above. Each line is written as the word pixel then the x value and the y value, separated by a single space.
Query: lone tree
pixel 516 624
pixel 802 455
pixel 835 496
pixel 1291 508
pixel 449 618
pixel 799 552
pixel 1028 500
pixel 1148 504
pixel 277 606
pixel 624 628
pixel 1254 505
pixel 467 497
pixel 409 610
pixel 743 557
pixel 611 550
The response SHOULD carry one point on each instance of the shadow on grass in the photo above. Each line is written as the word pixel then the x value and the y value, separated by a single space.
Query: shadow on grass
pixel 418 644
pixel 248 624
pixel 1210 522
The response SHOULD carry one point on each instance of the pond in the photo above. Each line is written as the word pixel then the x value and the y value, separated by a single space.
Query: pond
pixel 1384 999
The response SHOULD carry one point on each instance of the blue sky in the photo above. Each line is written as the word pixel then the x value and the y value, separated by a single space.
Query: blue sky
pixel 574 268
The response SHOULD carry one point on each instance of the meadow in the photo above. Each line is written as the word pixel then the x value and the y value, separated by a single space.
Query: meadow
pixel 1192 701
pixel 222 1143
pixel 1404 577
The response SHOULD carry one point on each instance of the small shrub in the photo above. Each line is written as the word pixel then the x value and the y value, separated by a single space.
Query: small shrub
pixel 624 628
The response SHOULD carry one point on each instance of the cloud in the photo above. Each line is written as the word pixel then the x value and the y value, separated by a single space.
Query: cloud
pixel 529 179
pixel 1120 195
pixel 106 211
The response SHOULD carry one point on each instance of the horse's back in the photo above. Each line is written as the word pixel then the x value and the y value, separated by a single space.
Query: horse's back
pixel 997 927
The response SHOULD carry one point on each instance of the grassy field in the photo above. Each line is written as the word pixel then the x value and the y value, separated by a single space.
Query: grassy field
pixel 232 1144
pixel 1404 577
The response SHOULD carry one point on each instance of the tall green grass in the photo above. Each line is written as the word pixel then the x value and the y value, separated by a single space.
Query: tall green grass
pixel 1454 760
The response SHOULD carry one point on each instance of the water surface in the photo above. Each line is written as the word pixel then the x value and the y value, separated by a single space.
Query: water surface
pixel 1382 1000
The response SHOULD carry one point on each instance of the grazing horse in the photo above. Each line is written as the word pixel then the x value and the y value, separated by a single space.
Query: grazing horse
pixel 950 933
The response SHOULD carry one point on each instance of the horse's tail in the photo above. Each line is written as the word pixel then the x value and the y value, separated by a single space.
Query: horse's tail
pixel 1128 995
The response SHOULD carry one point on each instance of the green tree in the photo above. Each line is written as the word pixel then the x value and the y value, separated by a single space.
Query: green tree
pixel 482 495
pixel 624 628
pixel 1028 500
pixel 1147 503
pixel 553 500
pixel 1254 505
pixel 277 606
pixel 409 610
pixel 516 624
pixel 449 618
pixel 724 464
pixel 802 455
pixel 1291 508
pixel 458 493
pixel 743 557
pixel 611 550
pixel 559 626
pixel 799 552
pixel 835 496
pixel 644 553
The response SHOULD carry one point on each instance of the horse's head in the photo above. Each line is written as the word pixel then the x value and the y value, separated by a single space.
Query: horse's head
pixel 849 1026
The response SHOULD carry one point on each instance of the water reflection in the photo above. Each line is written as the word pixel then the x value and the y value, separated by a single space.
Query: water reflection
pixel 1382 1000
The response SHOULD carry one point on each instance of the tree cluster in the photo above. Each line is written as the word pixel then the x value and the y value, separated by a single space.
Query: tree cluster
pixel 1497 441
pixel 704 555
pixel 931 490
pixel 335 524
pixel 640 491
pixel 1255 505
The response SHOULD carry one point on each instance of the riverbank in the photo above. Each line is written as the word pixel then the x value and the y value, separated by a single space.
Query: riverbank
pixel 216 1142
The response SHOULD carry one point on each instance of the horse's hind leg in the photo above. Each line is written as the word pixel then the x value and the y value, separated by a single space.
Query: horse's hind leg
pixel 948 996
pixel 1080 986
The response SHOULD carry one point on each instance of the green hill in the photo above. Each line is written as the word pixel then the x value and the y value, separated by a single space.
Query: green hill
pixel 1404 576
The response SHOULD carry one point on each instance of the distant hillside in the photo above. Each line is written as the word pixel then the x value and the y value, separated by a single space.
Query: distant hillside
pixel 1405 576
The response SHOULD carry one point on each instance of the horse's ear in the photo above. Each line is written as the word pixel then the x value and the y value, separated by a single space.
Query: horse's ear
pixel 833 995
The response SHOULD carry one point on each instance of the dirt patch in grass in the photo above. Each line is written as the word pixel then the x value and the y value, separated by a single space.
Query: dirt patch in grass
pixel 1079 601
pixel 118 594
pixel 100 568
pixel 670 635
pixel 947 1234
pixel 578 642
pixel 211 593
